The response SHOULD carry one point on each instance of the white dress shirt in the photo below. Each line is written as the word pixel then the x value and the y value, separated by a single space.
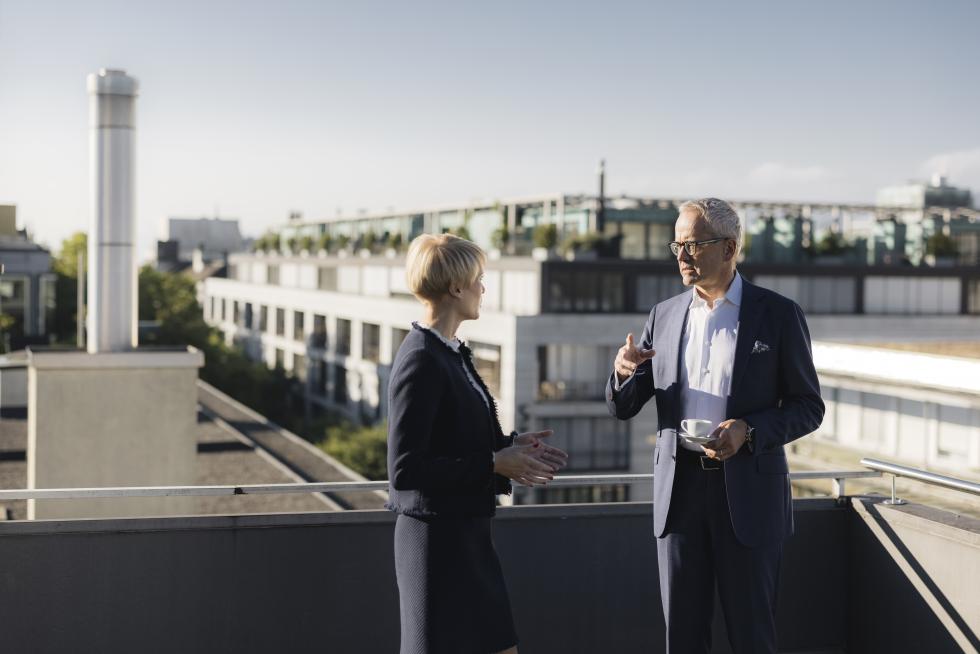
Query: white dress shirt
pixel 709 356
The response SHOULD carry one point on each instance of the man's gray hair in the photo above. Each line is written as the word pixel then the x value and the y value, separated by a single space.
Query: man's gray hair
pixel 719 215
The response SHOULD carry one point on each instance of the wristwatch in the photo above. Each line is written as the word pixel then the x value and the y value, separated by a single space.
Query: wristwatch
pixel 509 438
pixel 749 435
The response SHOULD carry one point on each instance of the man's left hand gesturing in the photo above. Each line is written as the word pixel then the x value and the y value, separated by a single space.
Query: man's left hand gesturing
pixel 728 438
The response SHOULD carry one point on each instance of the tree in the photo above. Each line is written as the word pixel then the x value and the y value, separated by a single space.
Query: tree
pixel 546 236
pixel 395 241
pixel 65 267
pixel 940 245
pixel 6 324
pixel 500 237
pixel 832 243
pixel 364 449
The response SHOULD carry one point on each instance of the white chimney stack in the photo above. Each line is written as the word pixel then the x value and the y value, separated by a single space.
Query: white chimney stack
pixel 112 281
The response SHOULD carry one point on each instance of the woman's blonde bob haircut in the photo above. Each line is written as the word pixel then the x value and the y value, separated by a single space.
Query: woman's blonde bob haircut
pixel 435 264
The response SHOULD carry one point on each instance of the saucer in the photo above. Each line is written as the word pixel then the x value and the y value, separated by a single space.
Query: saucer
pixel 697 440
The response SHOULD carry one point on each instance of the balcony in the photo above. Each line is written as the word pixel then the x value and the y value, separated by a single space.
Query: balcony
pixel 859 575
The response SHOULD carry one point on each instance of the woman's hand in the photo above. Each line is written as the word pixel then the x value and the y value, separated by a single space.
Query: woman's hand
pixel 541 451
pixel 518 463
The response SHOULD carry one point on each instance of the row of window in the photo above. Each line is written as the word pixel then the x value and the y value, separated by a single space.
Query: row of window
pixel 244 315
pixel 592 291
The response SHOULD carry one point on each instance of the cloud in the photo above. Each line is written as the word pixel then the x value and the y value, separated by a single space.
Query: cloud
pixel 961 167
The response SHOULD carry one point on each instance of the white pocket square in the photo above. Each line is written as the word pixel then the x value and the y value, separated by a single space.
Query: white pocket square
pixel 759 347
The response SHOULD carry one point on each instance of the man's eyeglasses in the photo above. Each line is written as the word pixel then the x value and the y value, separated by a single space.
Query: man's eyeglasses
pixel 690 246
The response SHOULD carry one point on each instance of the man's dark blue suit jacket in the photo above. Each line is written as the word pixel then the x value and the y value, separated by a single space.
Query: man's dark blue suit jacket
pixel 774 388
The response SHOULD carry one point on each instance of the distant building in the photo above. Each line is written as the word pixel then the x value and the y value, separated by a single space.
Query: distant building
pixel 779 239
pixel 27 285
pixel 198 243
pixel 932 223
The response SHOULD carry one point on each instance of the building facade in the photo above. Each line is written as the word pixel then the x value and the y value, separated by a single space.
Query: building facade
pixel 27 286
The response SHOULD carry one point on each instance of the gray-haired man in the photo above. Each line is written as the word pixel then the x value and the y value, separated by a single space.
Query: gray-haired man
pixel 738 356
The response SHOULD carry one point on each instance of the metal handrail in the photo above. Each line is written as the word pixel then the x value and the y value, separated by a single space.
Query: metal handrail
pixel 925 477
pixel 340 486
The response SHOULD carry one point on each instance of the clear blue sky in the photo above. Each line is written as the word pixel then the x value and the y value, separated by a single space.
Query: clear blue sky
pixel 256 109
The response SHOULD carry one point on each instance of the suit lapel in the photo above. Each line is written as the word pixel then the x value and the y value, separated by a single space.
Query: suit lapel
pixel 675 336
pixel 750 315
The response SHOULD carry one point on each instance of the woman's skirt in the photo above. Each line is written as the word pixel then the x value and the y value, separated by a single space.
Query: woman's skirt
pixel 451 589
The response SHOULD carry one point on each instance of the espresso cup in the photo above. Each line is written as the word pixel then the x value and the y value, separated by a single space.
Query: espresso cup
pixel 696 426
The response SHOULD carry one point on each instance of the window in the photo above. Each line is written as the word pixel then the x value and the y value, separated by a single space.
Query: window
pixel 273 276
pixel 486 358
pixel 248 315
pixel 973 296
pixel 340 385
pixel 280 322
pixel 299 367
pixel 370 342
pixel 586 291
pixel 213 310
pixel 318 378
pixel 319 339
pixel 236 314
pixel 592 443
pixel 13 292
pixel 280 359
pixel 343 336
pixel 48 285
pixel 224 310
pixel 574 372
pixel 651 289
pixel 327 279
pixel 298 331
pixel 397 336
pixel 263 318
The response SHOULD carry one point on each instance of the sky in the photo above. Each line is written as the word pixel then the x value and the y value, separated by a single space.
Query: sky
pixel 251 110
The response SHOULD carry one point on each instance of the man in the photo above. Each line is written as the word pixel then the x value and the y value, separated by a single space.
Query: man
pixel 739 356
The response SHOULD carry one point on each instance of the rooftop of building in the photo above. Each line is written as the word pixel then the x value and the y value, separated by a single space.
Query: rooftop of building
pixel 234 446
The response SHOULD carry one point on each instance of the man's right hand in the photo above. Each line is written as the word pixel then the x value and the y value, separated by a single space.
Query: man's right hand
pixel 629 357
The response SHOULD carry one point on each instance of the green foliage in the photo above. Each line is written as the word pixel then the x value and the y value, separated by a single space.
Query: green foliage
pixel 832 243
pixel 171 300
pixel 326 242
pixel 462 231
pixel 292 244
pixel 500 237
pixel 65 267
pixel 343 241
pixel 306 243
pixel 395 241
pixel 590 241
pixel 268 242
pixel 369 241
pixel 940 245
pixel 546 236
pixel 363 449
pixel 7 323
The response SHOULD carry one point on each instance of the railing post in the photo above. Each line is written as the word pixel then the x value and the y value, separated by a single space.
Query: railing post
pixel 895 501
pixel 838 490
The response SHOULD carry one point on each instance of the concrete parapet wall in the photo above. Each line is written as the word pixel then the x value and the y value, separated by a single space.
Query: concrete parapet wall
pixel 582 578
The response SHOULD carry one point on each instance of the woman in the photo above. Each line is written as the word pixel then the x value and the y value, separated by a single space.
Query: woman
pixel 447 460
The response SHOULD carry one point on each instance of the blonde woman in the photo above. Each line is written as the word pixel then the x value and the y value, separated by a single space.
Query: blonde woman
pixel 447 460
